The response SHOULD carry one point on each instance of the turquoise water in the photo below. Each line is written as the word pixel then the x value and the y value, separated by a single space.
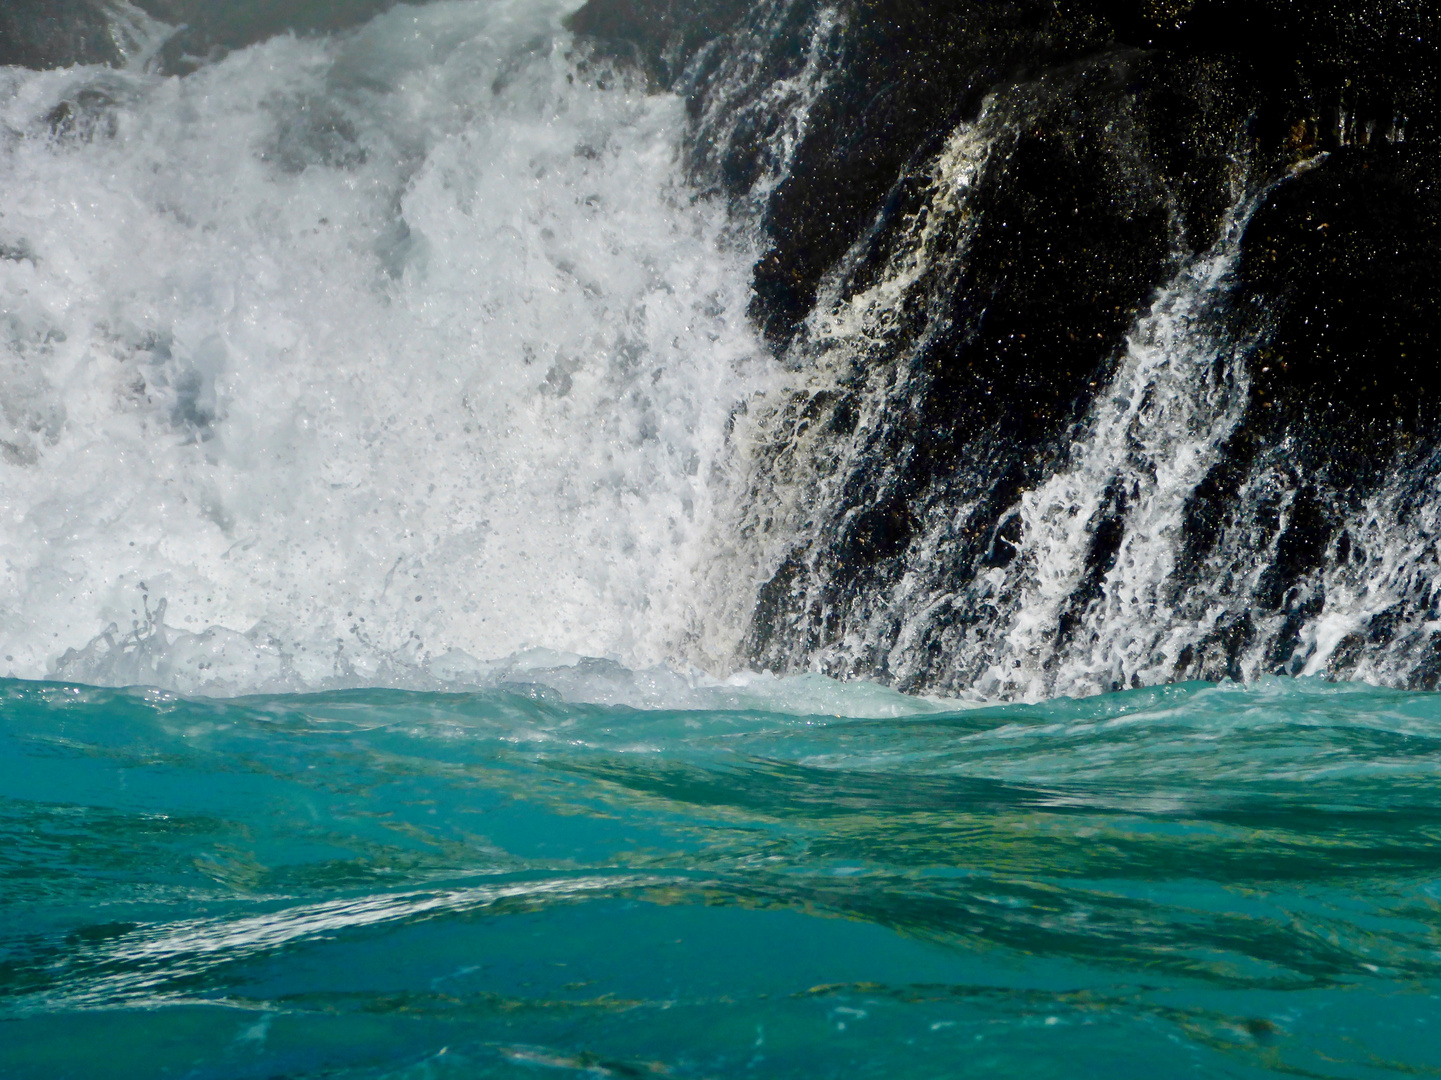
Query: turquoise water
pixel 1191 881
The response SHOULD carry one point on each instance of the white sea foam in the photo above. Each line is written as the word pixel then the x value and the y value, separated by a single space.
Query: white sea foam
pixel 368 355
pixel 1153 437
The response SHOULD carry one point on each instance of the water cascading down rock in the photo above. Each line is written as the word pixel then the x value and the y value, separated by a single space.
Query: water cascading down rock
pixel 1111 330
pixel 1108 328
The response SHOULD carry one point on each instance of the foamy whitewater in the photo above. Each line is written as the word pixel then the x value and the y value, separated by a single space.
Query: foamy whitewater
pixel 358 360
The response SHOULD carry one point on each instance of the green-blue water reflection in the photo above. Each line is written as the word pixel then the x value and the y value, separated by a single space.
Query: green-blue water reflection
pixel 1206 881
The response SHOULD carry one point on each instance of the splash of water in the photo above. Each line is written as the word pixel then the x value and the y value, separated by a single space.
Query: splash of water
pixel 1178 394
pixel 350 358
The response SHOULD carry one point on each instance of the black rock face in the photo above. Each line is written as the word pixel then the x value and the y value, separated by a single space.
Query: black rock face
pixel 1346 258
pixel 1342 267
pixel 661 36
pixel 61 33
pixel 209 28
pixel 56 33
pixel 904 75
pixel 1000 355
pixel 1119 149
pixel 906 71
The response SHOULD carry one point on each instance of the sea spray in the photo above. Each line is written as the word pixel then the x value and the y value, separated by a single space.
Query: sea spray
pixel 357 352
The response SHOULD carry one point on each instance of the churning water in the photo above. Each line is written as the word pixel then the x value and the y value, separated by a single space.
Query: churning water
pixel 368 356
pixel 1190 881
pixel 386 377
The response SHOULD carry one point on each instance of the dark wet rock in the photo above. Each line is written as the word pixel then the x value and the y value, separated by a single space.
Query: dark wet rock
pixel 905 71
pixel 1341 274
pixel 56 33
pixel 60 33
pixel 209 29
pixel 659 35
pixel 1133 128
pixel 1110 166
pixel 904 75
pixel 1346 262
pixel 89 112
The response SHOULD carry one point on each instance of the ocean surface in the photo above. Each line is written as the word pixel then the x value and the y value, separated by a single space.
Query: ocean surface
pixel 758 877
